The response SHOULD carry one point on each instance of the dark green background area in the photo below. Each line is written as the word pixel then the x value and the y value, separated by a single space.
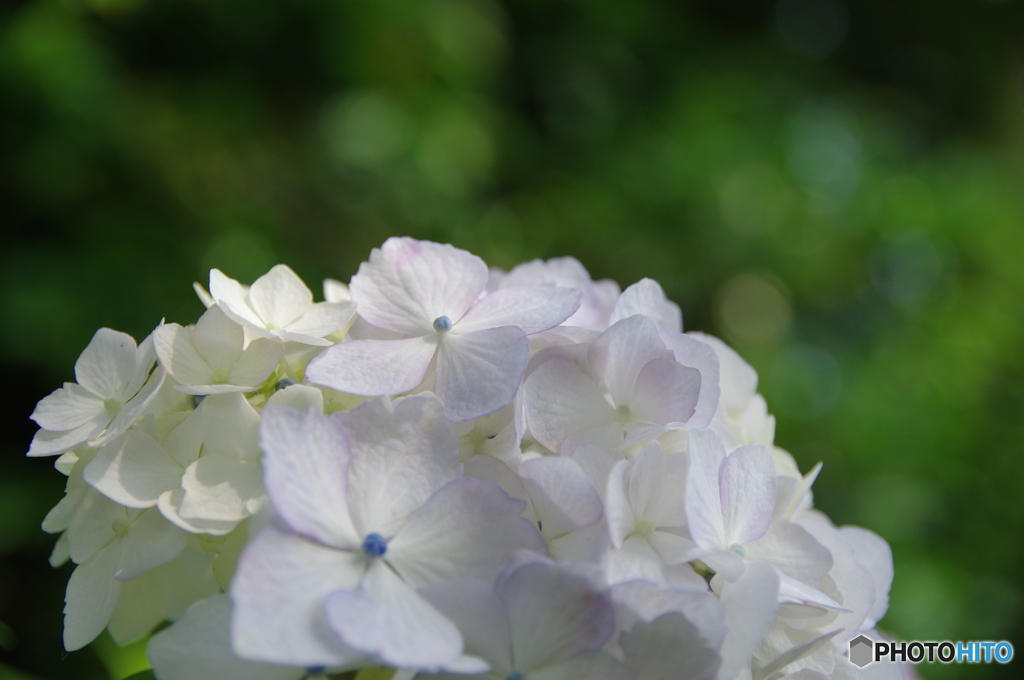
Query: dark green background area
pixel 836 189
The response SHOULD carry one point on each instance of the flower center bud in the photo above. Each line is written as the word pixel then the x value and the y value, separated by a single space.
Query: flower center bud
pixel 738 549
pixel 375 545
pixel 112 404
pixel 645 527
pixel 120 526
pixel 442 324
pixel 623 413
pixel 220 376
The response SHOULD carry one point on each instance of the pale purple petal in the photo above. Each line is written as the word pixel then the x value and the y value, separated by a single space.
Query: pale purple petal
pixel 480 614
pixel 619 354
pixel 647 297
pixel 691 352
pixel 279 297
pixel 665 392
pixel 747 487
pixel 562 495
pixel 554 614
pixel 588 665
pixel 402 452
pixel 468 529
pixel 479 372
pixel 388 620
pixel 703 492
pixel 279 592
pixel 408 283
pixel 107 363
pixel 562 400
pixel 636 559
pixel 657 486
pixel 531 308
pixel 306 460
pixel 373 368
pixel 668 648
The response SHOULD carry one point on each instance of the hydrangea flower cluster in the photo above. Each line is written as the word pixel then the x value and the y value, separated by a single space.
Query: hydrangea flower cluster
pixel 450 471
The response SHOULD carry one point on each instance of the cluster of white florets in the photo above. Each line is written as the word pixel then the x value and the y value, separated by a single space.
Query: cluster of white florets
pixel 449 471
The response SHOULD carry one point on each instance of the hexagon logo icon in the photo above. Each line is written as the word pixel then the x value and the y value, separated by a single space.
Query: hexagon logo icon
pixel 861 651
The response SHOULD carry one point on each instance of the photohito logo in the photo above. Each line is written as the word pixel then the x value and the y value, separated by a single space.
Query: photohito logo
pixel 864 651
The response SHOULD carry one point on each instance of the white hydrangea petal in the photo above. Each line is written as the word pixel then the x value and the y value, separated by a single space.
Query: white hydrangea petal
pixel 657 486
pixel 619 354
pixel 738 378
pixel 107 363
pixel 645 601
pixel 323 318
pixel 636 559
pixel 301 398
pixel 90 599
pixel 230 426
pixel 140 608
pixel 306 460
pixel 672 548
pixel 373 368
pixel 407 284
pixel 467 529
pixel 495 471
pixel 169 505
pixel 279 592
pixel 747 483
pixel 750 605
pixel 198 647
pixel 67 408
pixel 402 452
pixel 668 648
pixel 133 470
pixel 279 297
pixel 336 291
pixel 133 408
pixel 47 443
pixel 183 443
pixel 596 463
pixel 475 608
pixel 178 353
pixel 91 528
pixel 647 297
pixel 151 541
pixel 221 488
pixel 792 550
pixel 703 492
pixel 554 614
pixel 532 308
pixel 233 299
pixel 691 352
pixel 479 372
pixel 618 510
pixel 585 666
pixel 217 338
pixel 562 400
pixel 387 619
pixel 562 494
pixel 665 392
pixel 145 358
pixel 876 556
pixel 726 563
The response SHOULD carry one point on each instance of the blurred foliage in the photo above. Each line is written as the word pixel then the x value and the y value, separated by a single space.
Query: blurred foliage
pixel 836 188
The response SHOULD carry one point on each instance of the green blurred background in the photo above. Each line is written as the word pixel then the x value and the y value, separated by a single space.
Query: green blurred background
pixel 834 186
